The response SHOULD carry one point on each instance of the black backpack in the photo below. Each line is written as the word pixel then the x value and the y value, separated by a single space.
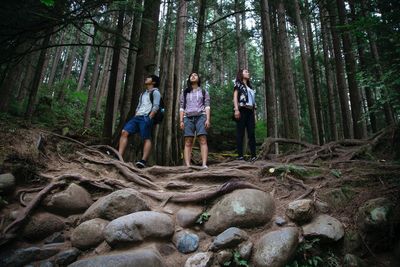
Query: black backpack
pixel 158 118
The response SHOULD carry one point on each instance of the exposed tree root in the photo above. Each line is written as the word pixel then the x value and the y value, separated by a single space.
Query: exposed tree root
pixel 125 171
pixel 11 231
pixel 226 174
pixel 200 195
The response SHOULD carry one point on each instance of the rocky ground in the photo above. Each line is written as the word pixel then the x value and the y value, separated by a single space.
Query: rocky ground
pixel 67 203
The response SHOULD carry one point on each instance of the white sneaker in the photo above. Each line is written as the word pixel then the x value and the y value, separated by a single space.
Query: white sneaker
pixel 204 167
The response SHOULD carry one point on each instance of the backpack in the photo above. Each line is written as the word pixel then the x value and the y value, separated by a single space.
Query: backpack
pixel 203 91
pixel 158 118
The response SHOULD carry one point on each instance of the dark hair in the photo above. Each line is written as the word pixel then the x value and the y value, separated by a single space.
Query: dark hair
pixel 239 78
pixel 155 79
pixel 189 84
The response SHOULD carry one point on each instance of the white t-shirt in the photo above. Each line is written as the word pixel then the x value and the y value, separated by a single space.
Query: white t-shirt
pixel 251 101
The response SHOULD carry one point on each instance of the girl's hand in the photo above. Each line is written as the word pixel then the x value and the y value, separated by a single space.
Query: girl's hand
pixel 237 114
pixel 182 125
pixel 207 124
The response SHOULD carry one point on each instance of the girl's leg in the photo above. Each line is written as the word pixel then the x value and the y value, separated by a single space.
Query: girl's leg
pixel 203 149
pixel 187 153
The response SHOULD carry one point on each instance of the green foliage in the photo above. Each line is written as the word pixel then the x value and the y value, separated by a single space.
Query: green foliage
pixel 336 173
pixel 238 260
pixel 48 3
pixel 306 255
pixel 291 169
pixel 203 217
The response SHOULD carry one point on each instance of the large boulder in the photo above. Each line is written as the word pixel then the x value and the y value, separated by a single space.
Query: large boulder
pixel 7 182
pixel 229 238
pixel 275 248
pixel 116 204
pixel 301 211
pixel 75 199
pixel 241 208
pixel 202 259
pixel 138 226
pixel 375 221
pixel 42 225
pixel 88 234
pixel 140 257
pixel 186 241
pixel 187 217
pixel 325 227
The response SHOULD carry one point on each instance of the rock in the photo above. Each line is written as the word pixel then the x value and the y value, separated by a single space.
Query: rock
pixel 374 215
pixel 41 225
pixel 7 182
pixel 351 260
pixel 322 207
pixel 338 197
pixel 325 227
pixel 45 264
pixel 55 238
pixel 186 241
pixel 140 257
pixel 187 217
pixel 375 222
pixel 88 234
pixel 231 237
pixel 352 241
pixel 223 257
pixel 75 199
pixel 21 257
pixel 202 259
pixel 138 226
pixel 116 204
pixel 301 211
pixel 245 249
pixel 66 257
pixel 275 248
pixel 103 248
pixel 241 208
pixel 280 221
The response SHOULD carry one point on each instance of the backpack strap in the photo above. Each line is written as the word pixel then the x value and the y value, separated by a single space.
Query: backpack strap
pixel 203 91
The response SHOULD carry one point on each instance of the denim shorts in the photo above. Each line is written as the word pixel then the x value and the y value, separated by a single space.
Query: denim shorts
pixel 142 124
pixel 194 124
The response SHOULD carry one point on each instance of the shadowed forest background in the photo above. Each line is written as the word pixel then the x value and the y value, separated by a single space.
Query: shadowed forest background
pixel 323 70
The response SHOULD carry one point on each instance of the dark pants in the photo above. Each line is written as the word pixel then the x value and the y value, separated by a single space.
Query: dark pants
pixel 246 121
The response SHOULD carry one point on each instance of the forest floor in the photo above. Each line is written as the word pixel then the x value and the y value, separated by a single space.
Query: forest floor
pixel 345 175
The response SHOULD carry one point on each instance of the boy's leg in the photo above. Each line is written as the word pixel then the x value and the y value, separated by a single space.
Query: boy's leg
pixel 123 142
pixel 146 149
pixel 187 152
pixel 203 149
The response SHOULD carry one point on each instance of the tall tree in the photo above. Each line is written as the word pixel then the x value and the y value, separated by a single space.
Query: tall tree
pixel 109 112
pixel 355 96
pixel 293 130
pixel 340 78
pixel 307 76
pixel 199 35
pixel 269 71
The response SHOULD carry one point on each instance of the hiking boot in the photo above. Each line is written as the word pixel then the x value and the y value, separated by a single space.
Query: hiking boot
pixel 240 158
pixel 141 164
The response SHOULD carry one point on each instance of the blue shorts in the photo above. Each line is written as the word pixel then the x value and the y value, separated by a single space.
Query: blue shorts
pixel 195 125
pixel 142 124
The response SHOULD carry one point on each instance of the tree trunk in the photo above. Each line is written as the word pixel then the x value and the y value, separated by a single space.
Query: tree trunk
pixel 146 57
pixel 269 71
pixel 355 96
pixel 329 82
pixel 85 61
pixel 340 80
pixel 109 112
pixel 36 79
pixel 241 64
pixel 92 90
pixel 57 57
pixel 178 70
pixel 293 130
pixel 131 66
pixel 315 75
pixel 199 35
pixel 104 73
pixel 307 78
